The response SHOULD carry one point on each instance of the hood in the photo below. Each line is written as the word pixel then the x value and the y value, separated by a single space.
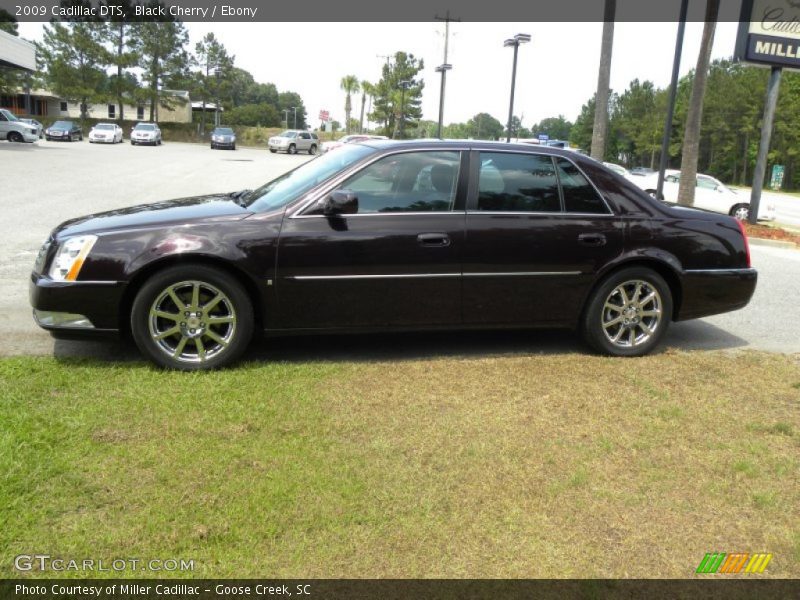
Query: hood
pixel 182 211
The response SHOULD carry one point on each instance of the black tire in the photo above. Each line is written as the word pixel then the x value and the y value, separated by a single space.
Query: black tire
pixel 15 137
pixel 236 302
pixel 159 142
pixel 292 149
pixel 133 143
pixel 740 211
pixel 233 147
pixel 596 324
pixel 313 149
pixel 272 150
pixel 212 146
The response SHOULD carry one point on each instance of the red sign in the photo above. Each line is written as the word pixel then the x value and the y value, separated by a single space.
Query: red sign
pixel 324 115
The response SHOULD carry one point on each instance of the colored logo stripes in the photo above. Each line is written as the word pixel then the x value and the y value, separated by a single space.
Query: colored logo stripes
pixel 736 562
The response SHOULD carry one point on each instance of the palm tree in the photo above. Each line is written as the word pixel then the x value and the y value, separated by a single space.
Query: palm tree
pixel 600 129
pixel 349 85
pixel 691 136
pixel 367 89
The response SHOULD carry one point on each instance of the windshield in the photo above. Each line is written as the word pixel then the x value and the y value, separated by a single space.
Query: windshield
pixel 144 127
pixel 290 186
pixel 223 131
pixel 62 125
pixel 288 134
pixel 104 126
pixel 9 115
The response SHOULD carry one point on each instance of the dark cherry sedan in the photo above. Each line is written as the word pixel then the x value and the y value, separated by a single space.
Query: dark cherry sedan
pixel 395 236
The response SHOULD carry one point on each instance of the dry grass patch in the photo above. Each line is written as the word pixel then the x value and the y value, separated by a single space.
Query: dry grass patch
pixel 506 466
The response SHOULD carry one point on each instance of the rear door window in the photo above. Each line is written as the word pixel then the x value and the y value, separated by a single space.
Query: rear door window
pixel 510 182
pixel 580 196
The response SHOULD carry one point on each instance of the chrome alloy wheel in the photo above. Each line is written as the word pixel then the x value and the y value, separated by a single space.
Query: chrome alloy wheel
pixel 632 313
pixel 192 321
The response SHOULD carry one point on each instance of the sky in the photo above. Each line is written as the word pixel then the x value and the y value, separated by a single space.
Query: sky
pixel 556 71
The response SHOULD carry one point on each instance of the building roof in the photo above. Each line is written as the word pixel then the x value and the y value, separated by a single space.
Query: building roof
pixel 16 52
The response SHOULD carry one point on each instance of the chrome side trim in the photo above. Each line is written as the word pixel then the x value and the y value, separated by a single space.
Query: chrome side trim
pixel 430 275
pixel 386 276
pixel 428 213
pixel 742 270
pixel 523 274
pixel 559 214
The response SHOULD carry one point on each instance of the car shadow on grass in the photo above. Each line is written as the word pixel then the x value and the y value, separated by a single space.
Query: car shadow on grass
pixel 691 335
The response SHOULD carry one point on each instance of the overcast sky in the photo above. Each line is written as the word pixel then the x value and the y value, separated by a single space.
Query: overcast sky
pixel 556 74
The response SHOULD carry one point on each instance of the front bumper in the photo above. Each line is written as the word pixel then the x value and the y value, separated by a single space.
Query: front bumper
pixel 148 140
pixel 30 136
pixel 58 304
pixel 714 291
pixel 101 140
pixel 226 144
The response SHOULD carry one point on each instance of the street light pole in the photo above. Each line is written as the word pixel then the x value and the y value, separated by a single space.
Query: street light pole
pixel 286 117
pixel 218 74
pixel 443 69
pixel 294 108
pixel 520 38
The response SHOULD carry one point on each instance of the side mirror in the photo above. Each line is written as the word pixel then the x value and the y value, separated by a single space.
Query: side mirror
pixel 340 202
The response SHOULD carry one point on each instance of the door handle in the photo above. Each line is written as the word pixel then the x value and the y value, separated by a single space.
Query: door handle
pixel 592 239
pixel 433 240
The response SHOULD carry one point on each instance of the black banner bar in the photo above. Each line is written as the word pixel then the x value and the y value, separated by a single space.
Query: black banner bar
pixel 254 11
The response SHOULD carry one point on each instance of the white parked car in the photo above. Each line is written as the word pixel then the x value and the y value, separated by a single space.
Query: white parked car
pixel 146 133
pixel 106 133
pixel 618 169
pixel 350 139
pixel 710 194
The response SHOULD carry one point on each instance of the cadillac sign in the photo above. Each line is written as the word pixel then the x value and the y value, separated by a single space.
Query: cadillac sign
pixel 769 33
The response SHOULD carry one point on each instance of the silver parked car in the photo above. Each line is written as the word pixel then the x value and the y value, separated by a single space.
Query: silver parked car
pixel 36 124
pixel 146 133
pixel 14 130
pixel 293 141
pixel 223 137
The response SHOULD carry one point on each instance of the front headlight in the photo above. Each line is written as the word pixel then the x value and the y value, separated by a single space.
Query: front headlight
pixel 69 257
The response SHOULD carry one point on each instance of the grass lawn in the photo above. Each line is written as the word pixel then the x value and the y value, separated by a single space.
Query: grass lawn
pixel 501 466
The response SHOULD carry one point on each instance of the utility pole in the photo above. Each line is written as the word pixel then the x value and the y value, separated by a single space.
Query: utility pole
pixel 444 68
pixel 388 58
pixel 673 89
pixel 286 116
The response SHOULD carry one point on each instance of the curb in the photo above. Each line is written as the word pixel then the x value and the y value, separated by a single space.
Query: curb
pixel 773 243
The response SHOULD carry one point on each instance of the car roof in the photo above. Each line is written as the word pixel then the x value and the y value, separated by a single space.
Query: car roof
pixel 432 144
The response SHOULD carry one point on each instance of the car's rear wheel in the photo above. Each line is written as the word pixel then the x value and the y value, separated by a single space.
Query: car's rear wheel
pixel 292 149
pixel 14 136
pixel 192 317
pixel 741 212
pixel 313 149
pixel 628 313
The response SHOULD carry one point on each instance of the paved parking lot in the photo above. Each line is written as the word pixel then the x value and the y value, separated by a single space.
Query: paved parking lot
pixel 48 182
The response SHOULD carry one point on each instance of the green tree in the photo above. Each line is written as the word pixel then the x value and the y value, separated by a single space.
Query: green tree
pixel 581 133
pixel 119 37
pixel 367 89
pixel 254 115
pixel 163 58
pixel 75 60
pixel 289 100
pixel 349 85
pixel 9 78
pixel 386 109
pixel 483 126
pixel 215 70
pixel 556 128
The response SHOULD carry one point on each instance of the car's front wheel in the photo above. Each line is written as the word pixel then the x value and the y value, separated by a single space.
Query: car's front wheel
pixel 292 149
pixel 192 317
pixel 14 136
pixel 628 313
pixel 741 212
pixel 272 150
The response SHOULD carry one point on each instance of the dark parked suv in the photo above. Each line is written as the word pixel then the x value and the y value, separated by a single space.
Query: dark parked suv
pixel 395 236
